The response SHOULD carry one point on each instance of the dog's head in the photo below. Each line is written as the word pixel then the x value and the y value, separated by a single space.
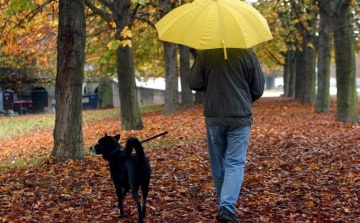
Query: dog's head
pixel 106 145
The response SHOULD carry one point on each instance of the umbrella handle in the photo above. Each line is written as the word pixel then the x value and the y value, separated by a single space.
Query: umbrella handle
pixel 225 52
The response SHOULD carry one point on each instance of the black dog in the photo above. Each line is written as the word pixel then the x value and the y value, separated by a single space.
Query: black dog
pixel 127 170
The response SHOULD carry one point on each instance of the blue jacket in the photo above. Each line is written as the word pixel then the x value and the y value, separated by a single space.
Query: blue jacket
pixel 230 86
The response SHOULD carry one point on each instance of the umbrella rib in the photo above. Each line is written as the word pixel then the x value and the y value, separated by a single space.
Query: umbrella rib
pixel 232 15
pixel 203 26
pixel 247 9
pixel 210 24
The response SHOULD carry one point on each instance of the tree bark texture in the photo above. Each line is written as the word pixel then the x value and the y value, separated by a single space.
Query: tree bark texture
pixel 292 66
pixel 186 93
pixel 299 67
pixel 129 106
pixel 324 58
pixel 105 93
pixel 305 71
pixel 345 63
pixel 286 68
pixel 309 77
pixel 289 76
pixel 171 70
pixel 68 135
pixel 172 79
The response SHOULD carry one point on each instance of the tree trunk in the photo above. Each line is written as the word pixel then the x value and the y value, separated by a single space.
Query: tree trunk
pixel 68 135
pixel 299 67
pixel 172 79
pixel 186 93
pixel 309 75
pixel 292 65
pixel 105 93
pixel 129 106
pixel 289 72
pixel 345 63
pixel 171 70
pixel 270 82
pixel 306 56
pixel 286 75
pixel 305 72
pixel 324 58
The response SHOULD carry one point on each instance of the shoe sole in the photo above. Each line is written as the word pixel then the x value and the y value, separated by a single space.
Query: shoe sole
pixel 226 219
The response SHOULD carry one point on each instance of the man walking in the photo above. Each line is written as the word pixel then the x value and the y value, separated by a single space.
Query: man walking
pixel 230 87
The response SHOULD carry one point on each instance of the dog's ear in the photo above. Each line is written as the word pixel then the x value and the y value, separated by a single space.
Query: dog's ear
pixel 105 135
pixel 117 137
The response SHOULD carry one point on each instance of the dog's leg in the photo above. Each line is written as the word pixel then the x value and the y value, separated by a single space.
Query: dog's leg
pixel 145 191
pixel 120 200
pixel 125 190
pixel 135 194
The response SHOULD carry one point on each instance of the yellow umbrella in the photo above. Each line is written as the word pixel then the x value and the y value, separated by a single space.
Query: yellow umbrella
pixel 211 24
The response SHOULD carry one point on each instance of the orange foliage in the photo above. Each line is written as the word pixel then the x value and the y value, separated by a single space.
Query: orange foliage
pixel 302 167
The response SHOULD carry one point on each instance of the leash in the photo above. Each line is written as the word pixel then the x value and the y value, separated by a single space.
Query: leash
pixel 155 136
pixel 166 132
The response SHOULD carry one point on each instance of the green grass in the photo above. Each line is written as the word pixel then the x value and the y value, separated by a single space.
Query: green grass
pixel 163 143
pixel 19 162
pixel 13 126
pixel 100 115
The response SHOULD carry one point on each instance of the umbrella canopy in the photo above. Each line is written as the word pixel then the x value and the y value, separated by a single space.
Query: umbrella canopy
pixel 211 24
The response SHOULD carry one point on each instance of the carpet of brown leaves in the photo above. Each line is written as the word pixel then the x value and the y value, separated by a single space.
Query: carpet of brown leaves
pixel 302 167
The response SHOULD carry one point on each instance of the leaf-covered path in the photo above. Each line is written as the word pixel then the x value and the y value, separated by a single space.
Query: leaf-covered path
pixel 301 167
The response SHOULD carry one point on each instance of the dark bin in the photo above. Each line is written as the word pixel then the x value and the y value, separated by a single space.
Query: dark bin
pixel 8 100
pixel 40 99
pixel 90 101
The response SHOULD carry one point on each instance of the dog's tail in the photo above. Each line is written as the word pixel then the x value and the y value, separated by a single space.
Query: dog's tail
pixel 135 143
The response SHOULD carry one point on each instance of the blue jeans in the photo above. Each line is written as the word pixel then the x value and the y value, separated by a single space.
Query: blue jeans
pixel 227 151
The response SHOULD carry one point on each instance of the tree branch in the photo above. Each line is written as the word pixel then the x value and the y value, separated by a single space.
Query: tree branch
pixel 132 16
pixel 145 20
pixel 97 33
pixel 32 14
pixel 272 56
pixel 108 4
pixel 100 12
pixel 133 13
pixel 29 16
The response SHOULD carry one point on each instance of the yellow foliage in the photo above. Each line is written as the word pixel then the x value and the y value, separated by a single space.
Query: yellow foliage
pixel 125 43
pixel 95 39
pixel 311 46
pixel 54 23
pixel 113 24
pixel 126 32
pixel 112 34
pixel 113 45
